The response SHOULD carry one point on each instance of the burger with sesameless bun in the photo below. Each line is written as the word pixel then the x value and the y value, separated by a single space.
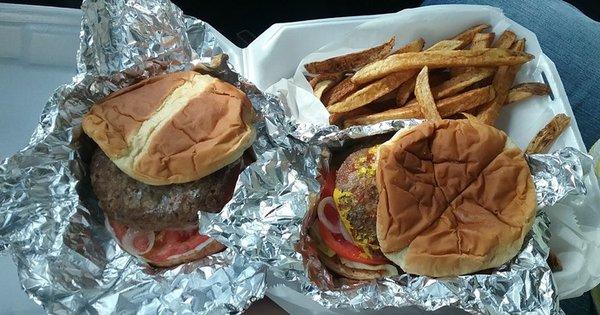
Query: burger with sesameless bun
pixel 444 198
pixel 169 146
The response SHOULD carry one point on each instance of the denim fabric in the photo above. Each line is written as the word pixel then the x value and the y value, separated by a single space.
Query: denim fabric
pixel 572 41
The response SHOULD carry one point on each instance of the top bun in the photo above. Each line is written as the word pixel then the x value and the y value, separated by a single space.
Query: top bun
pixel 455 197
pixel 173 128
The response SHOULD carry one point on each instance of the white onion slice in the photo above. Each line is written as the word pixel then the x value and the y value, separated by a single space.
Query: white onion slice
pixel 131 235
pixel 334 228
pixel 345 233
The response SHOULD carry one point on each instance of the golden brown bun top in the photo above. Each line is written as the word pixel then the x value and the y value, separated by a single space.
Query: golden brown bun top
pixel 173 128
pixel 456 196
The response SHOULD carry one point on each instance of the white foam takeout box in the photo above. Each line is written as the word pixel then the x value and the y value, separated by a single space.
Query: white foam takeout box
pixel 37 49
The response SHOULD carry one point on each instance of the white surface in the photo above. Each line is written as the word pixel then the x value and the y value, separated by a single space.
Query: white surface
pixel 37 54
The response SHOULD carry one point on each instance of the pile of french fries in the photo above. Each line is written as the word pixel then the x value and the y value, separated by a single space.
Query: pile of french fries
pixel 469 75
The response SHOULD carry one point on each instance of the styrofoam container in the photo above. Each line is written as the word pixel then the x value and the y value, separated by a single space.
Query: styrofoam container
pixel 37 53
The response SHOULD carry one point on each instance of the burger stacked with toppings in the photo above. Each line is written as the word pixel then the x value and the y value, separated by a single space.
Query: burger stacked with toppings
pixel 169 146
pixel 444 198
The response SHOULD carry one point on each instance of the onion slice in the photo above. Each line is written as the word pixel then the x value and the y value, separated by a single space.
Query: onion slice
pixel 334 228
pixel 133 234
pixel 345 233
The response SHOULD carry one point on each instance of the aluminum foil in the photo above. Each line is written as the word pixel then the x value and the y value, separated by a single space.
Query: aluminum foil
pixel 270 212
pixel 49 220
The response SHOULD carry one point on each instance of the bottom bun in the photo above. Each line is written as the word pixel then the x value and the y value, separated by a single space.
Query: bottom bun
pixel 335 265
pixel 212 247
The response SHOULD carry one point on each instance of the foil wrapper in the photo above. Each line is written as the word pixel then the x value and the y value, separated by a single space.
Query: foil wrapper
pixel 270 213
pixel 49 220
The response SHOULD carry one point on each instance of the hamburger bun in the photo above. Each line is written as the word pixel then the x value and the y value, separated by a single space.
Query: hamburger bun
pixel 174 128
pixel 455 197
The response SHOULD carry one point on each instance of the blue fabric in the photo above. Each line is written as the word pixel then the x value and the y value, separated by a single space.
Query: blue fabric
pixel 572 41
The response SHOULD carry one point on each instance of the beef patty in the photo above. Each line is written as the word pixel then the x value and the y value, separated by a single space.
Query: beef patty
pixel 147 207
pixel 356 197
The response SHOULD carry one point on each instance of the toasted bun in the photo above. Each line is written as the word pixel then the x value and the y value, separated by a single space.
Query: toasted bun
pixel 173 128
pixel 455 197
pixel 209 249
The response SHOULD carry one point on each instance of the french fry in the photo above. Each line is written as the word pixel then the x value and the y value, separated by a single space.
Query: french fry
pixel 351 61
pixel 505 40
pixel 371 92
pixel 446 107
pixel 347 87
pixel 482 41
pixel 459 83
pixel 322 87
pixel 349 96
pixel 326 76
pixel 502 83
pixel 526 90
pixel 415 45
pixel 339 118
pixel 470 117
pixel 448 44
pixel 339 91
pixel 440 59
pixel 405 90
pixel 518 45
pixel 424 97
pixel 545 137
pixel 467 36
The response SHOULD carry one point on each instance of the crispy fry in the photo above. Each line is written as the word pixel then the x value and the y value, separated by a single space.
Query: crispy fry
pixel 424 97
pixel 482 41
pixel 440 59
pixel 339 118
pixel 322 87
pixel 339 92
pixel 405 90
pixel 458 83
pixel 351 61
pixel 347 87
pixel 448 44
pixel 415 45
pixel 371 92
pixel 470 117
pixel 554 262
pixel 505 40
pixel 336 77
pixel 467 36
pixel 545 137
pixel 446 107
pixel 502 82
pixel 519 45
pixel 526 90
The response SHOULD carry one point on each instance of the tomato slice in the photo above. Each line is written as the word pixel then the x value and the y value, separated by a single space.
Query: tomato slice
pixel 169 243
pixel 348 250
pixel 328 184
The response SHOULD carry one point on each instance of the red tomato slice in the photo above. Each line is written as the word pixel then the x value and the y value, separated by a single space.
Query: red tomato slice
pixel 346 249
pixel 118 228
pixel 328 184
pixel 167 243
pixel 170 243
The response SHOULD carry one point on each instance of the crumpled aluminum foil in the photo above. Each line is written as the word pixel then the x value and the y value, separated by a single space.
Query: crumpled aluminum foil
pixel 49 221
pixel 269 215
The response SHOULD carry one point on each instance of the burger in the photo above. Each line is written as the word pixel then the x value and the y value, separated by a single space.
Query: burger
pixel 444 198
pixel 168 147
